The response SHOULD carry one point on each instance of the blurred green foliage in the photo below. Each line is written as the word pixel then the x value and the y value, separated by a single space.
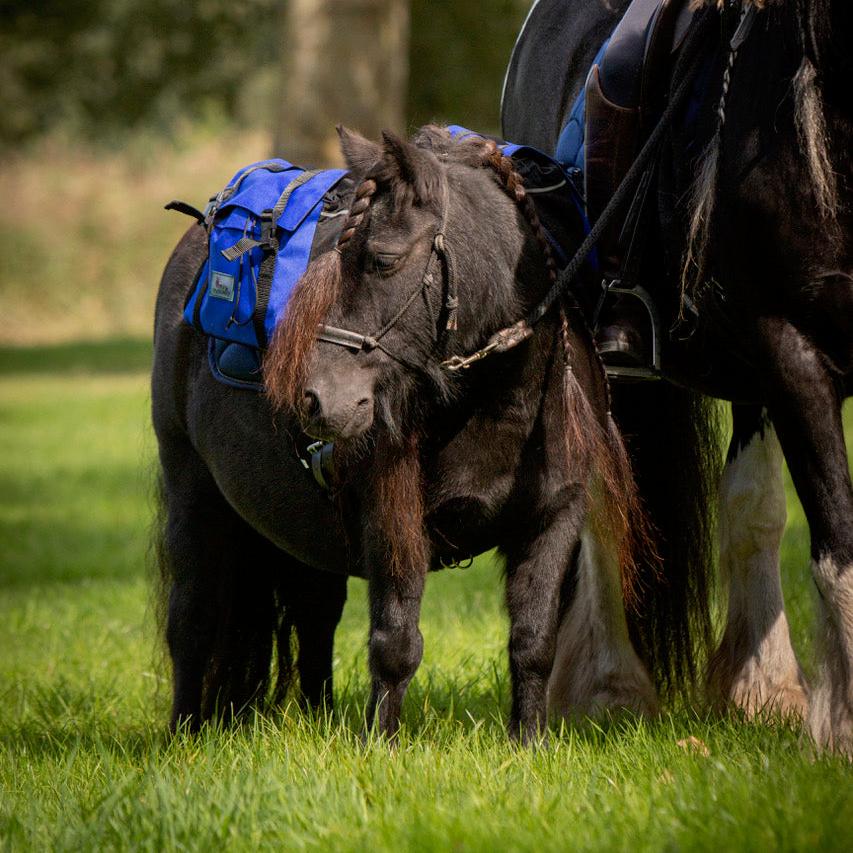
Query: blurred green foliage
pixel 101 66
pixel 106 68
pixel 458 56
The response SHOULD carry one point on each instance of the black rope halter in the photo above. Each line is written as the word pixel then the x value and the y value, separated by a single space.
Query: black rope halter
pixel 439 252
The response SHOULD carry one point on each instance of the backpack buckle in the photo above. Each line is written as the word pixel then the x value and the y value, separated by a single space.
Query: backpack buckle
pixel 269 239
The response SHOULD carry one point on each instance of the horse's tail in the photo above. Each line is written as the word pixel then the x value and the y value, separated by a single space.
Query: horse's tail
pixel 230 608
pixel 674 441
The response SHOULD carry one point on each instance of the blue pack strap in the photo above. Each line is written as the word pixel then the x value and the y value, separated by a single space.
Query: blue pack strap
pixel 283 199
pixel 270 241
pixel 268 237
pixel 303 198
pixel 265 274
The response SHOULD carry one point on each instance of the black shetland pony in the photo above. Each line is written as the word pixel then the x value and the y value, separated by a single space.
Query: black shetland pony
pixel 754 224
pixel 517 452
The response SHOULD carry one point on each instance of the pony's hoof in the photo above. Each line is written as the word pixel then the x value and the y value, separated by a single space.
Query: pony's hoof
pixel 758 699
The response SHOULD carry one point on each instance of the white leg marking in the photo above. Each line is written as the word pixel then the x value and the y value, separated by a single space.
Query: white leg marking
pixel 831 710
pixel 596 667
pixel 755 667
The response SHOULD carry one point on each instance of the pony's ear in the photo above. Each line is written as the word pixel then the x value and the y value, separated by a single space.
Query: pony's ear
pixel 416 167
pixel 360 154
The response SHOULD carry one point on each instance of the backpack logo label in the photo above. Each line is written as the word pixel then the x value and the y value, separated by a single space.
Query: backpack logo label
pixel 222 286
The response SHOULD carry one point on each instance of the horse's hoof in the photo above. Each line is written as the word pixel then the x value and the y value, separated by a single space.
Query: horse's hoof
pixel 831 722
pixel 757 692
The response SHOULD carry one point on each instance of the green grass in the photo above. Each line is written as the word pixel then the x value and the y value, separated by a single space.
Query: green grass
pixel 85 765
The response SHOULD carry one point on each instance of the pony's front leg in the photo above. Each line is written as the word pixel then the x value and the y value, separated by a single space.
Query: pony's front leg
pixel 535 571
pixel 396 645
pixel 805 406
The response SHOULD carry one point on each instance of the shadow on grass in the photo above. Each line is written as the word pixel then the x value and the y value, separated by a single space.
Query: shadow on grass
pixel 115 355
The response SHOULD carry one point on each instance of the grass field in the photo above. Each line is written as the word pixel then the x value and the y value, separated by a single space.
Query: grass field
pixel 85 765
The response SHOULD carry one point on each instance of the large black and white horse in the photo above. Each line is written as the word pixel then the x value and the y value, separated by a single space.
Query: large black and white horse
pixel 767 237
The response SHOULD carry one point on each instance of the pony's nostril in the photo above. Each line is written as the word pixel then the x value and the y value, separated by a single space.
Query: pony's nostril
pixel 311 403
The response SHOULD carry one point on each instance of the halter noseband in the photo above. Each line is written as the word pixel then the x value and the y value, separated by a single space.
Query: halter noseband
pixel 358 342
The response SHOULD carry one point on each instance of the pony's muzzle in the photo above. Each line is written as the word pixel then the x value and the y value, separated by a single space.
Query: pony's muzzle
pixel 331 416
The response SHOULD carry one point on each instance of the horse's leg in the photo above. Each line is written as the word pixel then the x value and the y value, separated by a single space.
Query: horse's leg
pixel 315 604
pixel 596 667
pixel 198 524
pixel 226 593
pixel 536 568
pixel 396 644
pixel 805 406
pixel 754 667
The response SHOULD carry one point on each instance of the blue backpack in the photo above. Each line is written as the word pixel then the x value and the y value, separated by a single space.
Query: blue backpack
pixel 261 230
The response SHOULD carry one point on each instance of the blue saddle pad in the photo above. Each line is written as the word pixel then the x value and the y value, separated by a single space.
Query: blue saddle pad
pixel 621 60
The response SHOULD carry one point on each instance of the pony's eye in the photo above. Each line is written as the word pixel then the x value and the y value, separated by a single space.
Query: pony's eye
pixel 385 263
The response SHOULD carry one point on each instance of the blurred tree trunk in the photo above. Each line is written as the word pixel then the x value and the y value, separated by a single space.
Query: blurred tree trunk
pixel 343 61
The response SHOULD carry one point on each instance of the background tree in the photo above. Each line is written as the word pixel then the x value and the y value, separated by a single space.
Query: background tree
pixel 342 61
pixel 102 70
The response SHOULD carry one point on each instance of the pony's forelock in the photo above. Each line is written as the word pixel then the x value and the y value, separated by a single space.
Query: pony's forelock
pixel 286 361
